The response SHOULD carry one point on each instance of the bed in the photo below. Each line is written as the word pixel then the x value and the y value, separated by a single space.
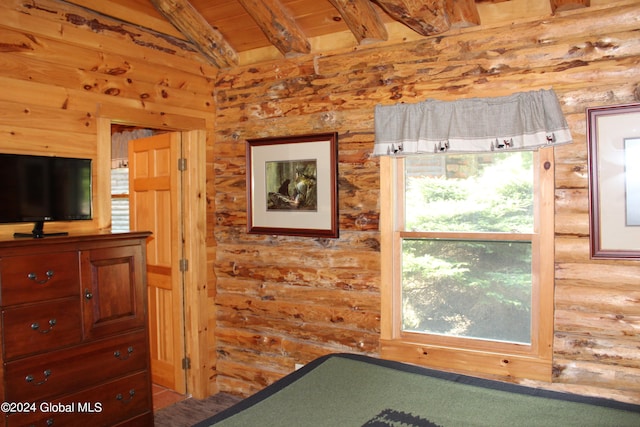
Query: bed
pixel 343 390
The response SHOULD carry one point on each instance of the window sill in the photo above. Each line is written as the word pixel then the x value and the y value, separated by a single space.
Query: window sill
pixel 501 366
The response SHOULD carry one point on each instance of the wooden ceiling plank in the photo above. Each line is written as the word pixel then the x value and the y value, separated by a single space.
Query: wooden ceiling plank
pixel 560 5
pixel 278 25
pixel 426 17
pixel 362 19
pixel 195 28
pixel 132 12
pixel 462 13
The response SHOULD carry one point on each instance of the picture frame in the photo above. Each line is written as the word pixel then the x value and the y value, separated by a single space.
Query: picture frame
pixel 613 136
pixel 292 186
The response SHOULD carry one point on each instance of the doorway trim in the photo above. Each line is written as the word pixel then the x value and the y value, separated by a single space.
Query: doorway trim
pixel 196 298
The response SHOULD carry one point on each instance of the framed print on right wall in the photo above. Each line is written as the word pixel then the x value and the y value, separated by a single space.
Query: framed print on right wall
pixel 613 136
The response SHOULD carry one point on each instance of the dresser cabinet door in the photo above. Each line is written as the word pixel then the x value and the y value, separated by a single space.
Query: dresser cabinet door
pixel 113 290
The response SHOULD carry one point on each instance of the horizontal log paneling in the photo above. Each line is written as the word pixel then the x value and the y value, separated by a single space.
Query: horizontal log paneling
pixel 279 347
pixel 572 223
pixel 331 278
pixel 585 295
pixel 293 293
pixel 306 256
pixel 254 378
pixel 572 249
pixel 357 241
pixel 452 83
pixel 607 327
pixel 593 376
pixel 573 200
pixel 276 288
pixel 312 328
pixel 572 174
pixel 461 45
pixel 247 369
pixel 621 276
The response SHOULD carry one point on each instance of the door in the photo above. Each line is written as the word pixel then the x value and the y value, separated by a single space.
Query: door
pixel 155 205
pixel 112 290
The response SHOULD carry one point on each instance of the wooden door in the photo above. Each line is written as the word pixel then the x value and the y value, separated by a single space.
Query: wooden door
pixel 155 205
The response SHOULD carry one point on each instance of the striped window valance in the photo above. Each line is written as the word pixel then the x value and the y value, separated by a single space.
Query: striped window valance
pixel 521 121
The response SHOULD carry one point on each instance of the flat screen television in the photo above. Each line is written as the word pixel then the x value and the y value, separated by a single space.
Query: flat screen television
pixel 39 189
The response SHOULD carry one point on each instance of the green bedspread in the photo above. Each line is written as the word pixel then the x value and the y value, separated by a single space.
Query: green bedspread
pixel 350 390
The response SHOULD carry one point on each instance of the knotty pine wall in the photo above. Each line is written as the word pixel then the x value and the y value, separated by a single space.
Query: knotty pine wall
pixel 66 74
pixel 286 300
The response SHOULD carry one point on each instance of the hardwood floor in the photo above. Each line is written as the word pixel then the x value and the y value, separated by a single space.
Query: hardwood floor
pixel 175 410
pixel 163 397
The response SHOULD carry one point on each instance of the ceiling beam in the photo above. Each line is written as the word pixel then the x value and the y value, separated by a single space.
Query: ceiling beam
pixel 425 17
pixel 196 29
pixel 462 13
pixel 362 19
pixel 278 25
pixel 560 5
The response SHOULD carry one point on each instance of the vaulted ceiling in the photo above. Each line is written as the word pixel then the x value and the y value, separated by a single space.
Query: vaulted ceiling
pixel 237 32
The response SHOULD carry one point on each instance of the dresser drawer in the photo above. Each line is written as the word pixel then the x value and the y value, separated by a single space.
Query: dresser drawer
pixel 105 405
pixel 34 328
pixel 57 372
pixel 39 277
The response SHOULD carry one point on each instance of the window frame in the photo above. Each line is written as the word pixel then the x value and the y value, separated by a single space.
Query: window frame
pixel 468 355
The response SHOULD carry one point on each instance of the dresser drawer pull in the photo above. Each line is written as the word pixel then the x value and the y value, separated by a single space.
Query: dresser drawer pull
pixel 120 397
pixel 30 379
pixel 87 294
pixel 119 355
pixel 34 277
pixel 36 326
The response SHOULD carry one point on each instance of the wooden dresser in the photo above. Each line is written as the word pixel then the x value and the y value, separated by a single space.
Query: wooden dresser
pixel 75 345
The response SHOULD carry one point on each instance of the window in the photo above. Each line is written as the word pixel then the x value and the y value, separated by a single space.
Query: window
pixel 467 253
pixel 120 199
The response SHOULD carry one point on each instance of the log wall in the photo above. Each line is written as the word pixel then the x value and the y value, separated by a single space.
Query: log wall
pixel 65 73
pixel 286 300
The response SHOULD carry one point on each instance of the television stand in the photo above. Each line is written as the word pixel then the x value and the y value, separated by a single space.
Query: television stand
pixel 38 232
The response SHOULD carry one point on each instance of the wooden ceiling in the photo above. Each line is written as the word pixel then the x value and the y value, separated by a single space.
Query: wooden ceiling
pixel 239 32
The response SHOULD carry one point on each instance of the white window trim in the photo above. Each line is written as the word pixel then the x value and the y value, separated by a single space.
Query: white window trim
pixel 480 358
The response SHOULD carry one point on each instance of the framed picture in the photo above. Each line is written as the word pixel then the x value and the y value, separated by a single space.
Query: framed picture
pixel 613 134
pixel 292 185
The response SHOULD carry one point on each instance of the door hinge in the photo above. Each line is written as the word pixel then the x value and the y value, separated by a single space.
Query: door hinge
pixel 184 265
pixel 182 164
pixel 186 363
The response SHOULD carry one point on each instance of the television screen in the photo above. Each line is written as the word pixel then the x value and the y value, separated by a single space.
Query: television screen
pixel 41 188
